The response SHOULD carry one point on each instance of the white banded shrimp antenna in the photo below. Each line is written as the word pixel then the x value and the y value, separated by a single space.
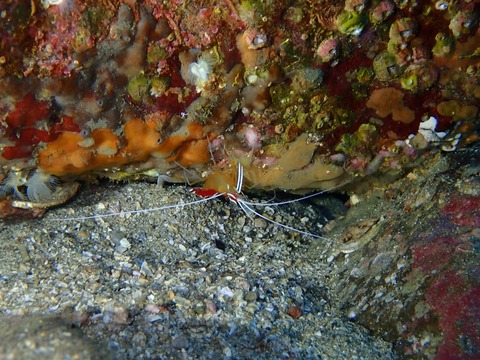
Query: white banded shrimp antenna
pixel 239 178
pixel 143 211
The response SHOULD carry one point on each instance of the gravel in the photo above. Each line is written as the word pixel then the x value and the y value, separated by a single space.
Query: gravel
pixel 201 281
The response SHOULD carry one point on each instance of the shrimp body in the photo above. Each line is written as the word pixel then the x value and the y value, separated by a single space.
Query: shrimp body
pixel 228 184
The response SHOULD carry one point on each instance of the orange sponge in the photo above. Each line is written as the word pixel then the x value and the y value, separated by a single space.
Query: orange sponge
pixel 193 152
pixel 72 154
pixel 142 139
pixel 64 155
pixel 106 142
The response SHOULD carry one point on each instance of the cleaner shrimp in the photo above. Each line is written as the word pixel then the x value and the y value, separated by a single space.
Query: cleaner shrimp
pixel 216 186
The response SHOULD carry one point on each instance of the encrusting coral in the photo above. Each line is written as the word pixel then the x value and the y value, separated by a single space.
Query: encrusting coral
pixel 388 101
pixel 302 98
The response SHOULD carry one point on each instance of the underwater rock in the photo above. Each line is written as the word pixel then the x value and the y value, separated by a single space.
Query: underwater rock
pixel 133 90
pixel 406 263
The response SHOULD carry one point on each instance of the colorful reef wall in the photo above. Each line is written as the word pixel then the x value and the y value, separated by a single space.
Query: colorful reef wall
pixel 303 94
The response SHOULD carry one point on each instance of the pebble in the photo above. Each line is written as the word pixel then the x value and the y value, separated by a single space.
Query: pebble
pixel 251 296
pixel 260 223
pixel 180 342
pixel 211 307
pixel 140 339
pixel 294 311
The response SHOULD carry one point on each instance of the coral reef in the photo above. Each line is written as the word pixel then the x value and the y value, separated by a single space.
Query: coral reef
pixel 120 89
pixel 128 90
